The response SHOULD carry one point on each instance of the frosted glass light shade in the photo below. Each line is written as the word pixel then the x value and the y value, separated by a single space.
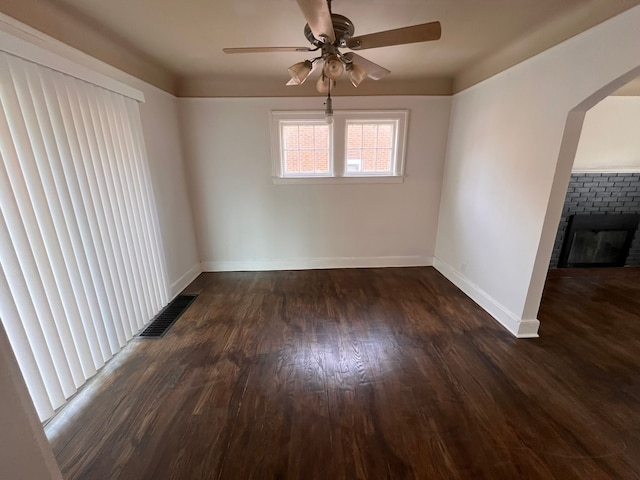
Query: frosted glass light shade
pixel 333 67
pixel 300 71
pixel 323 84
pixel 356 74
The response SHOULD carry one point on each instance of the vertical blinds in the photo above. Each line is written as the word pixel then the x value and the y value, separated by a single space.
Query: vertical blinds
pixel 82 268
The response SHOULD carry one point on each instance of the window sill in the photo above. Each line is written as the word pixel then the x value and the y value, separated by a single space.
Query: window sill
pixel 336 180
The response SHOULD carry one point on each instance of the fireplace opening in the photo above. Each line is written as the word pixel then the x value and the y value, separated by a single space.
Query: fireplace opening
pixel 598 240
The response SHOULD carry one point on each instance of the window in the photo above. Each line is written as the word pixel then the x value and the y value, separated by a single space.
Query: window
pixel 305 148
pixel 370 147
pixel 360 146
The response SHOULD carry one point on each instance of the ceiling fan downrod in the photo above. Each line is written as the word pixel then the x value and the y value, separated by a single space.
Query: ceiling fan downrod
pixel 328 111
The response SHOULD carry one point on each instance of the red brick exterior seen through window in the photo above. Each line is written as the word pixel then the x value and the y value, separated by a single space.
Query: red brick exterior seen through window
pixel 305 149
pixel 370 147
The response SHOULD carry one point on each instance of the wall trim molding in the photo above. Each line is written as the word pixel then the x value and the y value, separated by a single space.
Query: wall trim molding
pixel 519 327
pixel 184 281
pixel 317 263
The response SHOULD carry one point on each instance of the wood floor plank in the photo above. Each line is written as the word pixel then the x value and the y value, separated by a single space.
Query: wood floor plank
pixel 368 374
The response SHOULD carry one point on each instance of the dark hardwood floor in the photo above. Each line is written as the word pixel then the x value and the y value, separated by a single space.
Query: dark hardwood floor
pixel 369 374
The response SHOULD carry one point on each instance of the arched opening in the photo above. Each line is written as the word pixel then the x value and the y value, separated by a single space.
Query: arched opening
pixel 569 146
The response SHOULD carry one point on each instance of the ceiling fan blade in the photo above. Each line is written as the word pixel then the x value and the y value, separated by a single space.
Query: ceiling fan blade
pixel 318 16
pixel 400 36
pixel 267 49
pixel 374 71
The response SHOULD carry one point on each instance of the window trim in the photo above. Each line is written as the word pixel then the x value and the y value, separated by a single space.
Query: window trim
pixel 337 145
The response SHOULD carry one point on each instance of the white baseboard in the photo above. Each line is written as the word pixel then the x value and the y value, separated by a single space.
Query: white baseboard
pixel 520 328
pixel 185 280
pixel 317 263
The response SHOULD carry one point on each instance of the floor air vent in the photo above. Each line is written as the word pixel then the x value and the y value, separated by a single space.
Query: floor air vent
pixel 167 317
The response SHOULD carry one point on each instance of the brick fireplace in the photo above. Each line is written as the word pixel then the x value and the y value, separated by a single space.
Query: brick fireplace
pixel 600 194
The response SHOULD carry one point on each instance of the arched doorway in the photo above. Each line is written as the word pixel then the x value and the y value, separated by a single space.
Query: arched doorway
pixel 566 158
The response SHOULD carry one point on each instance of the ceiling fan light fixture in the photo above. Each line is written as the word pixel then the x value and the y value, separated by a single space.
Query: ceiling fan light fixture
pixel 324 84
pixel 333 67
pixel 300 71
pixel 356 73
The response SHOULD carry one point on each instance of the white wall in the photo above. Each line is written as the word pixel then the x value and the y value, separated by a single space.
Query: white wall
pixel 610 139
pixel 25 453
pixel 244 221
pixel 497 224
pixel 159 116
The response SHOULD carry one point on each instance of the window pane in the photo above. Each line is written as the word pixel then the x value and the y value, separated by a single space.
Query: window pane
pixel 306 137
pixel 385 136
pixel 383 160
pixel 322 137
pixel 290 137
pixel 369 136
pixel 322 160
pixel 370 148
pixel 306 161
pixel 354 135
pixel 305 149
pixel 292 161
pixel 368 159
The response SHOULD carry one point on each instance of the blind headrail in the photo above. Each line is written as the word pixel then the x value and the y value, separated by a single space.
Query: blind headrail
pixel 13 43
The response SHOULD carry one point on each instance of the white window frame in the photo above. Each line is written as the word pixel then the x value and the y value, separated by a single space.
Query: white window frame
pixel 337 145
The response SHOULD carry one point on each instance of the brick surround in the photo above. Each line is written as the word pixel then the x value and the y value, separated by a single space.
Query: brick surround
pixel 600 193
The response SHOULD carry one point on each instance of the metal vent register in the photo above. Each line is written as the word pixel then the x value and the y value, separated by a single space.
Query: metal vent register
pixel 168 316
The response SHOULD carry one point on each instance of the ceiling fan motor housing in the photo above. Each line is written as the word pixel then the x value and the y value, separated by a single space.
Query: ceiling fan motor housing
pixel 342 26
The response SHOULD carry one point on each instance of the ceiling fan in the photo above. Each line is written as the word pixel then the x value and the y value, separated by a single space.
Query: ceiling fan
pixel 329 32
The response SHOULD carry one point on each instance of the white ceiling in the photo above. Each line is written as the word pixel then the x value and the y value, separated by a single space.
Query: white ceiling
pixel 185 38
